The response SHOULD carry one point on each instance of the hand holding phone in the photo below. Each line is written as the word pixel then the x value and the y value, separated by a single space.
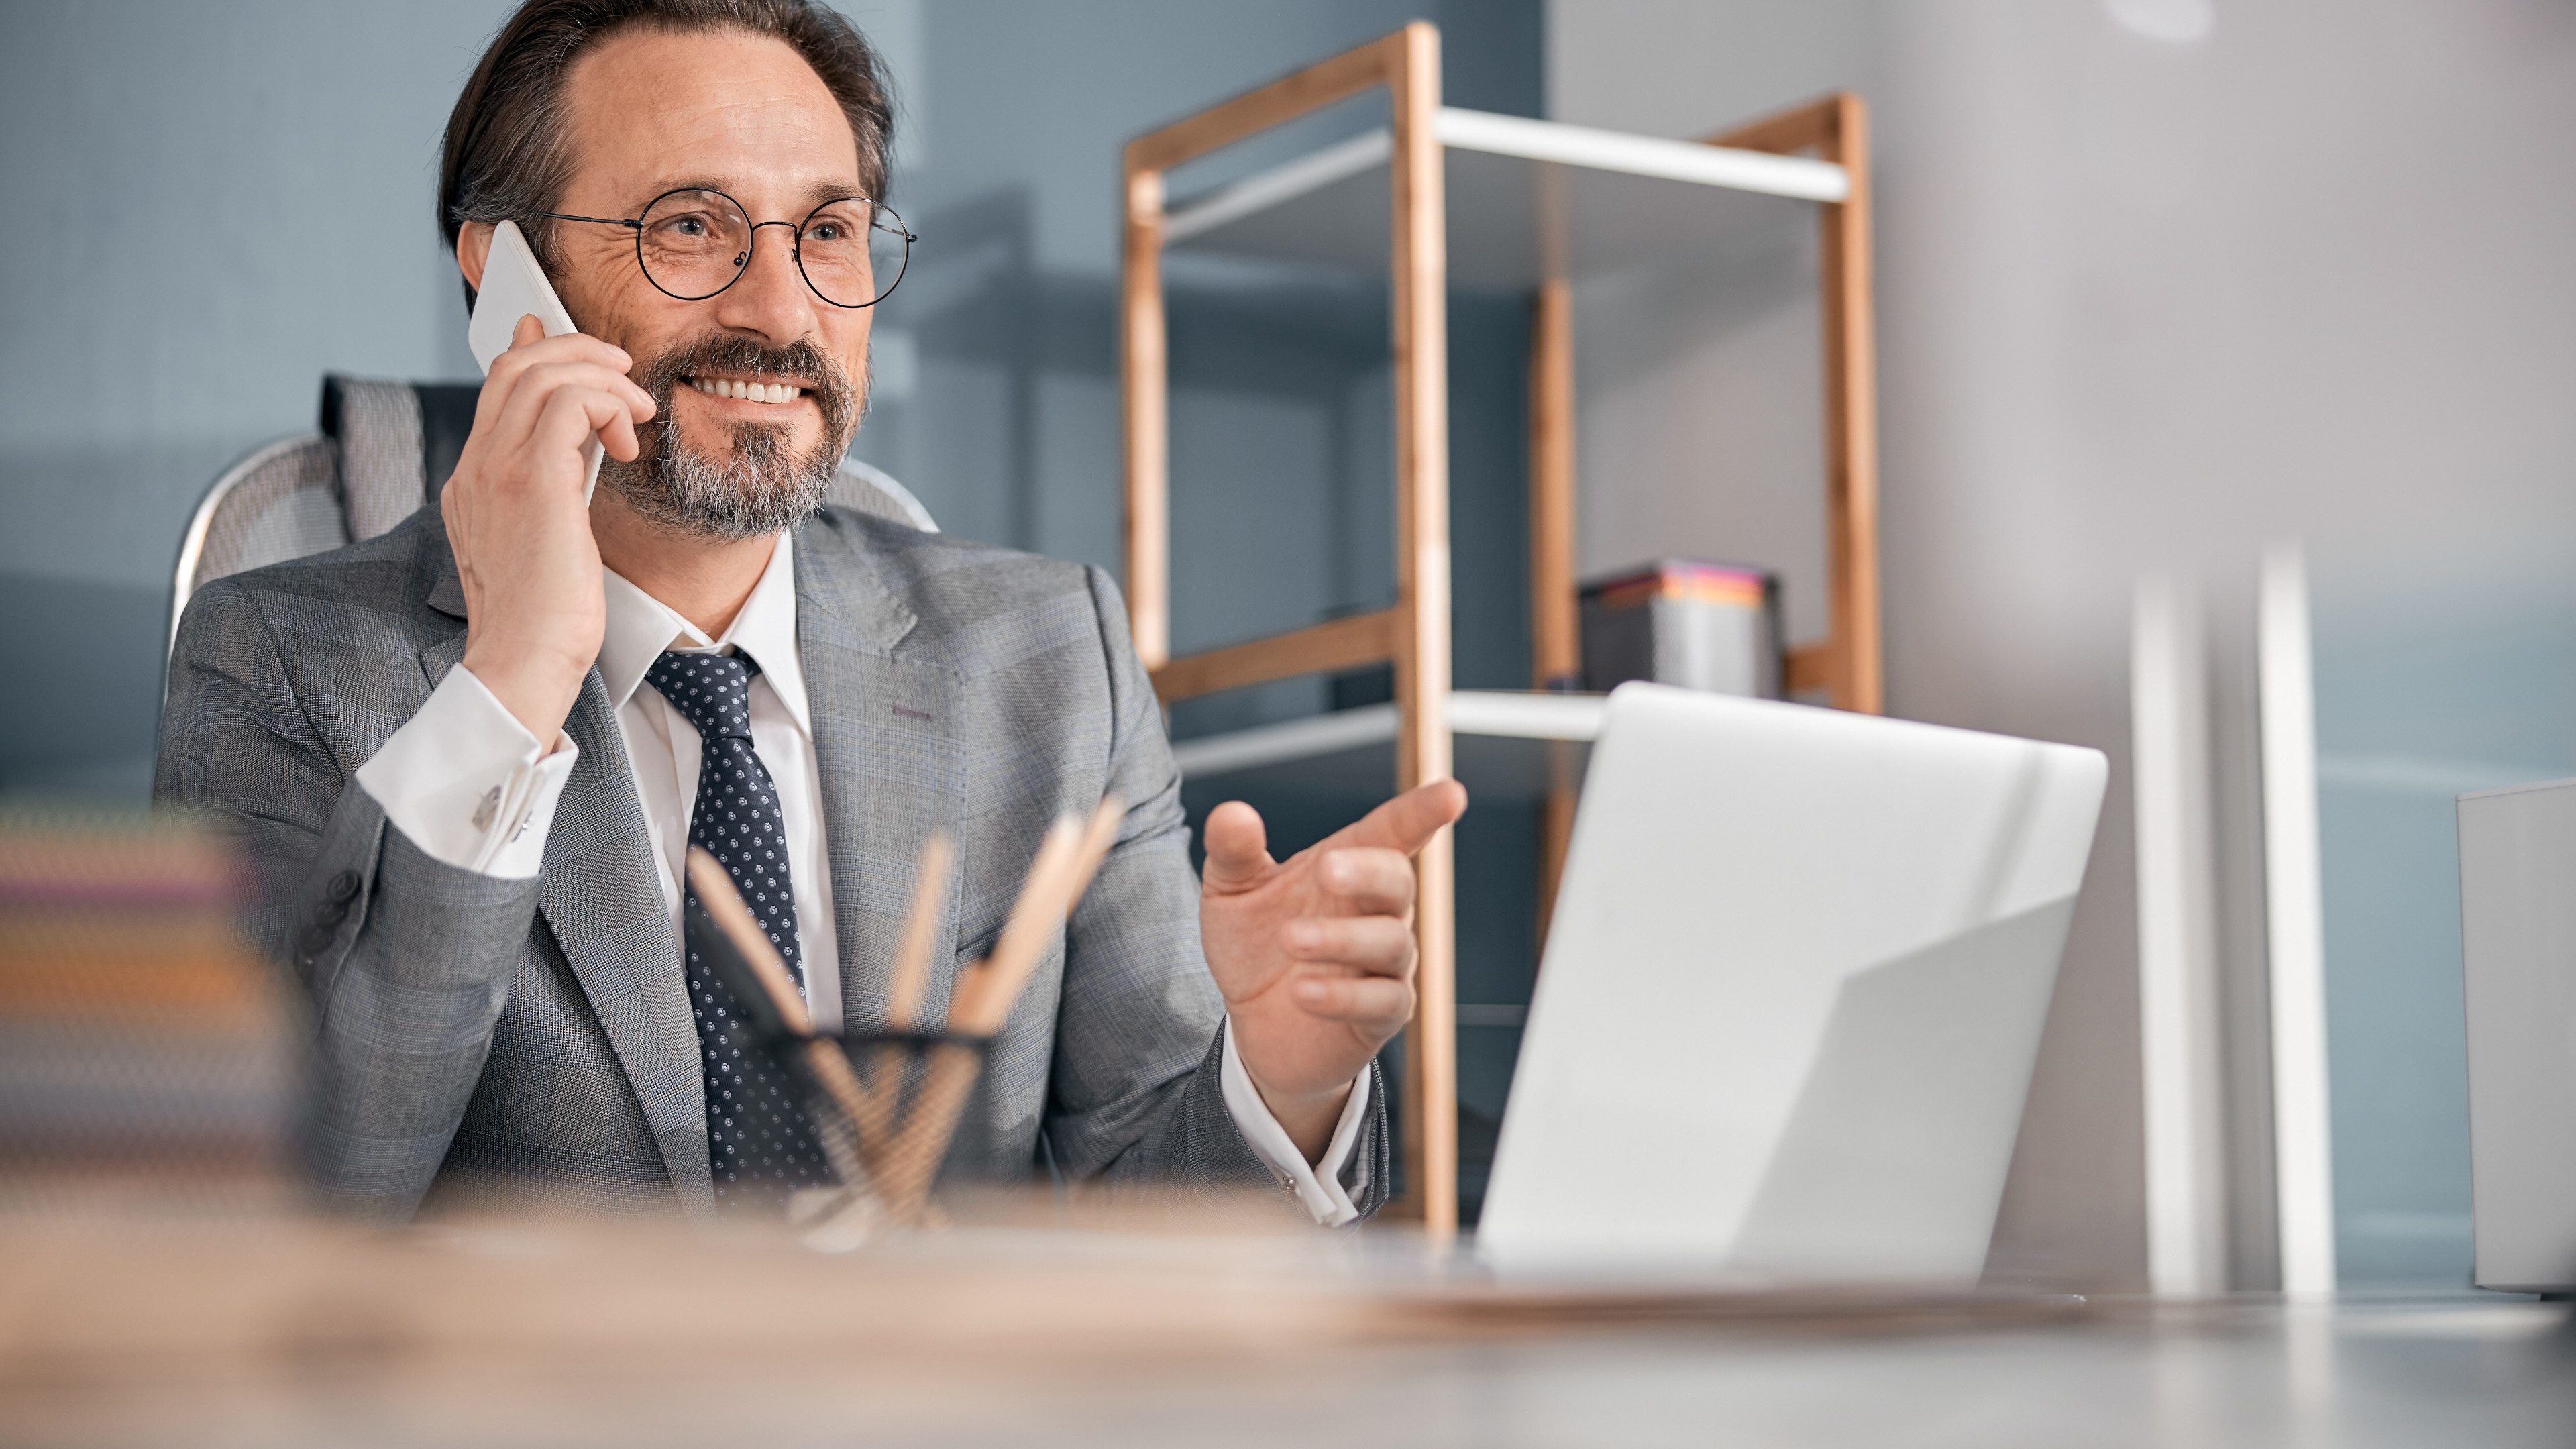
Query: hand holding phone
pixel 514 286
pixel 517 507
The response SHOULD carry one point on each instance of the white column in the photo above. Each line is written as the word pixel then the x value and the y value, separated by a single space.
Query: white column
pixel 2178 1012
pixel 2302 1145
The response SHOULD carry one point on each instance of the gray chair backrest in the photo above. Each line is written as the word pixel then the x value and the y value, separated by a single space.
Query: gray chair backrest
pixel 372 466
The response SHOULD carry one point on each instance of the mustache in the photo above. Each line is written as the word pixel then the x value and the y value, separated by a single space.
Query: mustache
pixel 800 361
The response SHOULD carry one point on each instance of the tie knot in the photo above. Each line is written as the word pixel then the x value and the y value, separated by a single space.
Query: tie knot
pixel 712 690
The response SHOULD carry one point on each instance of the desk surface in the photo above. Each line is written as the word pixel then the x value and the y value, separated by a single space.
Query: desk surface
pixel 274 1334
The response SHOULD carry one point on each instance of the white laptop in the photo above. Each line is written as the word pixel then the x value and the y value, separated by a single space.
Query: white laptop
pixel 1787 1014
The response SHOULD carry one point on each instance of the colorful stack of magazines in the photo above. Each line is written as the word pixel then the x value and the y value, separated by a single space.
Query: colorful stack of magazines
pixel 144 1046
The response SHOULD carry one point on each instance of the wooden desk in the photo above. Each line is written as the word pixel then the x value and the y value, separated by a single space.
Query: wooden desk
pixel 281 1333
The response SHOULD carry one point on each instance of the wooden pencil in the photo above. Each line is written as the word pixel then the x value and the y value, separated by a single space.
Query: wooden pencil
pixel 920 931
pixel 1024 934
pixel 1062 870
pixel 909 980
pixel 1056 881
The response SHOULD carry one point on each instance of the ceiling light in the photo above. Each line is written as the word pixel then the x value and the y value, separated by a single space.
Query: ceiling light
pixel 2175 22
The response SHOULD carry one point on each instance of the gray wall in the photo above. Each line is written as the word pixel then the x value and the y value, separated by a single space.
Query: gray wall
pixel 215 204
pixel 2142 303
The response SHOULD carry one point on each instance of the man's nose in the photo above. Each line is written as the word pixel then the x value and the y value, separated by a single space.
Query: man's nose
pixel 770 298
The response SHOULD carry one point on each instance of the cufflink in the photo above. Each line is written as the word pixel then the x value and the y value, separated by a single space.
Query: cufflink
pixel 486 808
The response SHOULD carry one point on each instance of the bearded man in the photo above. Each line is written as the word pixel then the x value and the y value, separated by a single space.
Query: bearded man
pixel 467 758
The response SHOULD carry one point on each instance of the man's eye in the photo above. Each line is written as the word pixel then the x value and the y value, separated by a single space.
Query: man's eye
pixel 828 231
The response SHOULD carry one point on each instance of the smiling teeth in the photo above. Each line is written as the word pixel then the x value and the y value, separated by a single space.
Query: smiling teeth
pixel 767 392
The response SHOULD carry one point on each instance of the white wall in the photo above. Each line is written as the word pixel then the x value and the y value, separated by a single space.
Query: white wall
pixel 2141 301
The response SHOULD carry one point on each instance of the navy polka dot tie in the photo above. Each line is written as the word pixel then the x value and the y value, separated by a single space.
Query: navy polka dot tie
pixel 759 1140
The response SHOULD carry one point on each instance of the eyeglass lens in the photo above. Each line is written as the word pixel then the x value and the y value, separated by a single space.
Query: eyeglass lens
pixel 695 243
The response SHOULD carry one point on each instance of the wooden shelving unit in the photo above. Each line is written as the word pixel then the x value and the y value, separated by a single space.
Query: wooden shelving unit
pixel 1441 197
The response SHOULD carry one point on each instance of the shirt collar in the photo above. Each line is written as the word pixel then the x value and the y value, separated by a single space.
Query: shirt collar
pixel 641 627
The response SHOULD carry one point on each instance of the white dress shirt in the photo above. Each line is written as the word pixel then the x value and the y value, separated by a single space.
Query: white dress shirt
pixel 471 786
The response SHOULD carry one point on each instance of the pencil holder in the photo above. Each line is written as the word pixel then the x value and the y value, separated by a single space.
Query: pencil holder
pixel 913 1086
pixel 884 1105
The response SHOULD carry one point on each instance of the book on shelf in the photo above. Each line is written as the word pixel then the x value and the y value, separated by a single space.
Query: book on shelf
pixel 1684 622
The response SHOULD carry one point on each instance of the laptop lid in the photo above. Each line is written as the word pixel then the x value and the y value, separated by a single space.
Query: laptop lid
pixel 1789 1005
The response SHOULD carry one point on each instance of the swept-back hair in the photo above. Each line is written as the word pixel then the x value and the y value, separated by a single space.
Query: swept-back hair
pixel 508 157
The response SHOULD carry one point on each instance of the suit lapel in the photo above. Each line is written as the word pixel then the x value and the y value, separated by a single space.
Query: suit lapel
pixel 601 899
pixel 886 746
pixel 607 912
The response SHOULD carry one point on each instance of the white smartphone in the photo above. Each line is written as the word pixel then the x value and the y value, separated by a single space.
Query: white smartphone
pixel 514 286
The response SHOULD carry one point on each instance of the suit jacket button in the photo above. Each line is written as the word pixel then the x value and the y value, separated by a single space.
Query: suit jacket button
pixel 344 886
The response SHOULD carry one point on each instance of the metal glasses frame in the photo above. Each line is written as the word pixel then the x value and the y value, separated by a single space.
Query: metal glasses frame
pixel 879 214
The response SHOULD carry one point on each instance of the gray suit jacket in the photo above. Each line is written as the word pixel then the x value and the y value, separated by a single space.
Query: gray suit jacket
pixel 535 1035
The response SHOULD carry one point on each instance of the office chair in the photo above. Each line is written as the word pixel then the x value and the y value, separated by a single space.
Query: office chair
pixel 385 448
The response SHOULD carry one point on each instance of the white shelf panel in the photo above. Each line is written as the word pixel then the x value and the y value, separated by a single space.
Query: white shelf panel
pixel 1515 715
pixel 1278 744
pixel 1803 177
pixel 1498 737
pixel 1527 199
pixel 1471 712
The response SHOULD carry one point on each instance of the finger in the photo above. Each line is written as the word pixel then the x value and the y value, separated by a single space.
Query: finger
pixel 1238 853
pixel 538 385
pixel 1408 821
pixel 574 415
pixel 1367 880
pixel 1377 945
pixel 524 354
pixel 503 374
pixel 1374 1002
pixel 539 376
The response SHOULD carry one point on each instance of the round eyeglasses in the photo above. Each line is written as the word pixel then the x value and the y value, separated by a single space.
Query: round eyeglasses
pixel 693 243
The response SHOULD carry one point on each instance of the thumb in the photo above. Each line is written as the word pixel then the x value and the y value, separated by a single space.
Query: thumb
pixel 1238 854
pixel 527 330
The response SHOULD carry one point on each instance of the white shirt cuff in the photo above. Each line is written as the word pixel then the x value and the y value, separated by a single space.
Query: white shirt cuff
pixel 468 783
pixel 1318 1186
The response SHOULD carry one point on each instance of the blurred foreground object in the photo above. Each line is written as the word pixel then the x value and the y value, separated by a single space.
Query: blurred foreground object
pixel 144 1047
pixel 886 1136
pixel 1029 1323
pixel 1171 1330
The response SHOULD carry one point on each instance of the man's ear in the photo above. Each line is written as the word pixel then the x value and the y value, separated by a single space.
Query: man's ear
pixel 473 248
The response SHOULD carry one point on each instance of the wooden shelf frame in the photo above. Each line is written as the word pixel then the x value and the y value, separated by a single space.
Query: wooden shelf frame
pixel 1846 666
pixel 1849 665
pixel 1413 635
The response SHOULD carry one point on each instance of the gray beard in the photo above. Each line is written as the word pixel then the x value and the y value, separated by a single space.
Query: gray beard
pixel 760 489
